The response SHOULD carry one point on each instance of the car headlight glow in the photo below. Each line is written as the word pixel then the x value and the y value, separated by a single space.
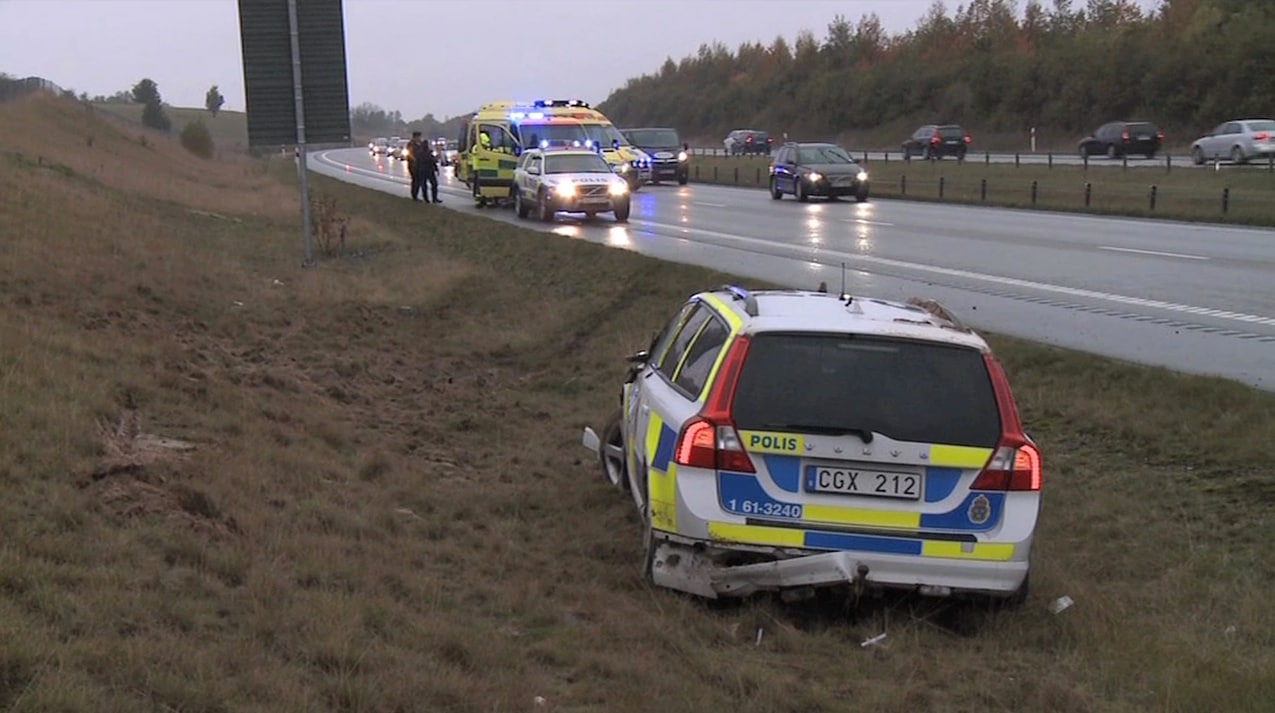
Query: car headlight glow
pixel 619 188
pixel 566 189
pixel 622 168
pixel 814 176
pixel 681 156
pixel 862 176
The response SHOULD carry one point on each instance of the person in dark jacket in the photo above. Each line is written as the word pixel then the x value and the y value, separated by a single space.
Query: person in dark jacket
pixel 429 166
pixel 416 152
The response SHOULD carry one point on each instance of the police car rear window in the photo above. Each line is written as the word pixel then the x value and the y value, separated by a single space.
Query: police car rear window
pixel 908 391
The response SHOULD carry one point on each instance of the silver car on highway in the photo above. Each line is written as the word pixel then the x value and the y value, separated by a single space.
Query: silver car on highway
pixel 1238 141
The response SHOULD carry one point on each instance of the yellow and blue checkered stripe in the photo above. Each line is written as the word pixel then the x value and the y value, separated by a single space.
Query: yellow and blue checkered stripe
pixel 819 540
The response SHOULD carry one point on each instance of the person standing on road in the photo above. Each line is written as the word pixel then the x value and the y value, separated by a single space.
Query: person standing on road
pixel 416 151
pixel 429 170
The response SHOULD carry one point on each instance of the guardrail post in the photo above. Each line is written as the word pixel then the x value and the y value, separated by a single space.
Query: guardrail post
pixel 987 158
pixel 1270 163
pixel 1168 163
pixel 982 190
pixel 1085 158
pixel 1088 193
pixel 1124 162
pixel 697 172
pixel 714 174
pixel 903 184
pixel 1033 194
pixel 1226 200
pixel 1051 159
pixel 907 157
pixel 865 156
pixel 887 156
pixel 737 175
pixel 1016 163
pixel 941 182
pixel 1153 191
pixel 757 178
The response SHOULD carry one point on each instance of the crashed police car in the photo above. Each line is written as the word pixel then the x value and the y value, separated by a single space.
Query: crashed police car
pixel 789 440
pixel 569 180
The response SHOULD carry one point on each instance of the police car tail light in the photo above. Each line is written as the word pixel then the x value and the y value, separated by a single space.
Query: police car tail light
pixel 710 440
pixel 1015 464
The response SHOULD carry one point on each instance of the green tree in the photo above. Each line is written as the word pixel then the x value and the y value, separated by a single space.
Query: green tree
pixel 146 91
pixel 153 115
pixel 197 139
pixel 213 100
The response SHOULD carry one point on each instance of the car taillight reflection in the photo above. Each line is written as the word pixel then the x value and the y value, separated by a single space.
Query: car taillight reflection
pixel 1261 136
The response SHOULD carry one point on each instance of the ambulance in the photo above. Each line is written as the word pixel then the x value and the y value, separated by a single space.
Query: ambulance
pixel 493 138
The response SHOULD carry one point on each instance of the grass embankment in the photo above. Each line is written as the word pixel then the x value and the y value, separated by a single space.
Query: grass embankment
pixel 229 129
pixel 1182 192
pixel 231 484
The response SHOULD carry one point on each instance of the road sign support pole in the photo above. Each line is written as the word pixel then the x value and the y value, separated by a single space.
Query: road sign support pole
pixel 301 148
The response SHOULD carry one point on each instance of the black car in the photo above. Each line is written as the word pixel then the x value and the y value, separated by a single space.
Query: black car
pixel 670 156
pixel 934 141
pixel 816 169
pixel 1116 139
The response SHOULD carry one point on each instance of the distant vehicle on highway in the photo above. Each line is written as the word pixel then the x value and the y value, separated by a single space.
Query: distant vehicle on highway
pixel 670 156
pixel 398 149
pixel 934 141
pixel 379 146
pixel 1240 141
pixel 816 169
pixel 742 142
pixel 1117 139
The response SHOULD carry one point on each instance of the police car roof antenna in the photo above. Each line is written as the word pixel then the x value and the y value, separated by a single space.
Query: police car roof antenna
pixel 844 296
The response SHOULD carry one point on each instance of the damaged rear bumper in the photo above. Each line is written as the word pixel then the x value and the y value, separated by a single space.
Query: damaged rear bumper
pixel 716 570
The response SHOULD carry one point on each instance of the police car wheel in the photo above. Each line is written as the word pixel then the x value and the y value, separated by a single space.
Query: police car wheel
pixel 799 191
pixel 648 546
pixel 545 209
pixel 520 207
pixel 622 212
pixel 861 196
pixel 611 455
pixel 683 179
pixel 774 189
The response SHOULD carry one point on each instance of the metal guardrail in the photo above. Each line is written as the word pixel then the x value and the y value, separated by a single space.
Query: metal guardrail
pixel 1039 158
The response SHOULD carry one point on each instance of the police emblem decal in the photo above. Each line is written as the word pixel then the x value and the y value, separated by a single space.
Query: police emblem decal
pixel 980 510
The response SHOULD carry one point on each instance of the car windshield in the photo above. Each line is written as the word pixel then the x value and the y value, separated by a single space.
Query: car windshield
pixel 1261 126
pixel 1142 128
pixel 553 135
pixel 951 132
pixel 605 134
pixel 908 391
pixel 822 155
pixel 653 137
pixel 576 163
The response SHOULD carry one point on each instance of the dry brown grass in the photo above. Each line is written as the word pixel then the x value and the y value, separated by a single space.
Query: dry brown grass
pixel 379 501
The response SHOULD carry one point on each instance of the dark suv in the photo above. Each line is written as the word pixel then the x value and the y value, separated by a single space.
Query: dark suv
pixel 670 156
pixel 934 141
pixel 1121 138
pixel 748 141
pixel 816 169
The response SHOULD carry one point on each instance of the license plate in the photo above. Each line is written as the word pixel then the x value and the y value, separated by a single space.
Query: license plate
pixel 855 481
pixel 1144 137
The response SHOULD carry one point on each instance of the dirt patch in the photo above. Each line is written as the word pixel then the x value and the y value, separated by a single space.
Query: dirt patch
pixel 132 479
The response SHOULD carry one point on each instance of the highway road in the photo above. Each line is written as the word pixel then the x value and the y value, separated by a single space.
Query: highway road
pixel 1197 298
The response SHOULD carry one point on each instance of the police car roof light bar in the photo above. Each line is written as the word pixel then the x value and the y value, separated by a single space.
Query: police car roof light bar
pixel 739 293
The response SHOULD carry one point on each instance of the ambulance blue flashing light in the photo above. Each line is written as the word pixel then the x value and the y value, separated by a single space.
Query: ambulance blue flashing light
pixel 544 143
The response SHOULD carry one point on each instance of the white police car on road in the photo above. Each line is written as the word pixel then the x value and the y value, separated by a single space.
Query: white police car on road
pixel 572 180
pixel 786 440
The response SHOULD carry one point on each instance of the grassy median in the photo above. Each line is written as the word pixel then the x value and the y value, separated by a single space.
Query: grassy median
pixel 1244 195
pixel 232 484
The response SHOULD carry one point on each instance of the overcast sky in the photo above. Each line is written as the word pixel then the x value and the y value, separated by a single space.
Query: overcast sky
pixel 416 56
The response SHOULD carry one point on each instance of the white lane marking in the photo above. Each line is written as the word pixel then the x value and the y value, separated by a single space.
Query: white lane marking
pixel 709 205
pixel 865 221
pixel 994 279
pixel 1153 252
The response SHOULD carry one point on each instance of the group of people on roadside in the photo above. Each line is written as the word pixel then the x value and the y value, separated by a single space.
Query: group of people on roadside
pixel 422 164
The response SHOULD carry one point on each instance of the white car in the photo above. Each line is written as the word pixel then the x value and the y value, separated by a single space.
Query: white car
pixel 786 440
pixel 570 180
pixel 1238 141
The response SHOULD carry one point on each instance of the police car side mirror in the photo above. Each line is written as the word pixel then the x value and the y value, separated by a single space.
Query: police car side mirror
pixel 533 170
pixel 638 358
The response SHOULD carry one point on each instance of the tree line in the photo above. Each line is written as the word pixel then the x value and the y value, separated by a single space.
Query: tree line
pixel 371 120
pixel 1188 65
